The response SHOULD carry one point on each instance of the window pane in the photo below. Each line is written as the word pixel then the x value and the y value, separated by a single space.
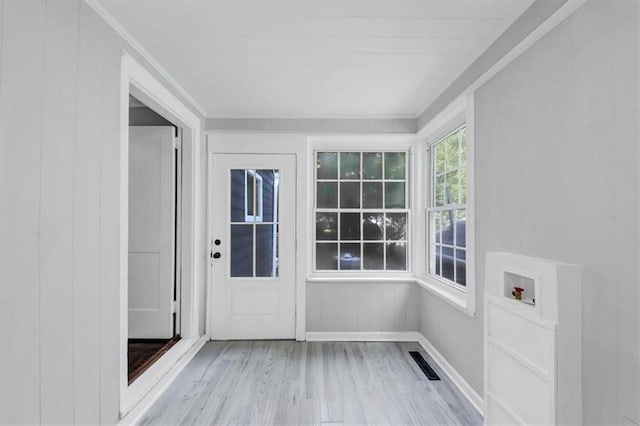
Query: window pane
pixel 463 184
pixel 269 195
pixel 437 226
pixel 327 195
pixel 394 195
pixel 452 189
pixel 237 196
pixel 447 263
pixel 327 165
pixel 396 226
pixel 266 250
pixel 327 226
pixel 373 256
pixel 372 165
pixel 241 250
pixel 446 233
pixel 461 228
pixel 439 158
pixel 373 226
pixel 349 226
pixel 396 256
pixel 463 148
pixel 451 145
pixel 350 256
pixel 394 165
pixel 437 259
pixel 372 195
pixel 439 190
pixel 327 256
pixel 251 184
pixel 350 195
pixel 350 165
pixel 461 267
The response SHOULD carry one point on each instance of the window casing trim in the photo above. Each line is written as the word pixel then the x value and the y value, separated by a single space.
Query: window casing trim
pixel 384 210
pixel 364 144
pixel 460 114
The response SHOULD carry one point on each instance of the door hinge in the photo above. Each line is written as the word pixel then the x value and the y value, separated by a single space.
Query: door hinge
pixel 176 142
pixel 174 306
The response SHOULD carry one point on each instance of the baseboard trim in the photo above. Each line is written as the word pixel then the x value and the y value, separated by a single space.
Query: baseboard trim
pixel 134 416
pixel 455 377
pixel 362 336
pixel 404 336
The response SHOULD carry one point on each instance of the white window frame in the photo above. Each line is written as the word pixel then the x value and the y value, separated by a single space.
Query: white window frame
pixel 357 143
pixel 257 196
pixel 460 113
pixel 432 208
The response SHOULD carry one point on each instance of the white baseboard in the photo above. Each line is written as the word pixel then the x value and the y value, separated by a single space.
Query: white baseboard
pixel 404 336
pixel 134 416
pixel 362 336
pixel 455 377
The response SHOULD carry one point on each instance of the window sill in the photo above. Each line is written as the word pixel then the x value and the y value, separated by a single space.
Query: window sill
pixel 457 298
pixel 361 278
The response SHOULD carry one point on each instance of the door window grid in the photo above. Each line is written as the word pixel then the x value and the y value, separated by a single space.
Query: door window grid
pixel 254 237
pixel 390 175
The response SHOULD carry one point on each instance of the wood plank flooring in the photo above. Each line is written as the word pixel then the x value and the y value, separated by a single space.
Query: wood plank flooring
pixel 310 383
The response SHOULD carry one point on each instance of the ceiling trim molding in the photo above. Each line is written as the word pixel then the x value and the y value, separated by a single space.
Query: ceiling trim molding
pixel 536 22
pixel 122 32
pixel 318 125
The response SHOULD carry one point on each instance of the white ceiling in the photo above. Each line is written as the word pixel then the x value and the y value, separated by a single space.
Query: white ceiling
pixel 315 59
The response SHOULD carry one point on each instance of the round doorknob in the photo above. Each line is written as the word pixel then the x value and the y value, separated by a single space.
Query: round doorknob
pixel 216 255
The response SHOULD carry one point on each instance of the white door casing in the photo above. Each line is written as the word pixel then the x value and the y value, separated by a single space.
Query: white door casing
pixel 151 231
pixel 253 307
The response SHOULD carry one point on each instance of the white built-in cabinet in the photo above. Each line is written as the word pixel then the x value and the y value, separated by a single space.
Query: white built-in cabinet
pixel 533 346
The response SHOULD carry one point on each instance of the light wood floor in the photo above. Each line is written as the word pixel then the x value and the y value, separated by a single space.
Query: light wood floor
pixel 286 382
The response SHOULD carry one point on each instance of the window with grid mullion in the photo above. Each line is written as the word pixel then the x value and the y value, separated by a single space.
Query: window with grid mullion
pixel 361 211
pixel 446 212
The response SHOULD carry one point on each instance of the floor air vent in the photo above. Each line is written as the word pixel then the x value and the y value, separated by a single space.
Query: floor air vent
pixel 424 365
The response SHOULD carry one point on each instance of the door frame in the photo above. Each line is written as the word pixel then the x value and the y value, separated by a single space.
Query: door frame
pixel 259 145
pixel 138 81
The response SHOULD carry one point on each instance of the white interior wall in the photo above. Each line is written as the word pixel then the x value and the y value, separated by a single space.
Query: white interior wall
pixel 557 177
pixel 340 306
pixel 59 203
pixel 59 212
pixel 362 307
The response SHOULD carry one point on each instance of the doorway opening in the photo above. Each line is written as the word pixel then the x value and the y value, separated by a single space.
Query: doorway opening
pixel 180 310
pixel 154 281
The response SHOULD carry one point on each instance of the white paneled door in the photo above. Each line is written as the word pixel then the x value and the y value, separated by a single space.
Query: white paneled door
pixel 151 231
pixel 253 246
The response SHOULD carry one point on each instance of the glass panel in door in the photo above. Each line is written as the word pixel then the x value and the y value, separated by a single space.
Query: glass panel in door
pixel 254 220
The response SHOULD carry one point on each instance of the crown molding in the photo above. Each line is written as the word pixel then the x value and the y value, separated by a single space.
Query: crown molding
pixel 537 21
pixel 137 47
pixel 318 125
